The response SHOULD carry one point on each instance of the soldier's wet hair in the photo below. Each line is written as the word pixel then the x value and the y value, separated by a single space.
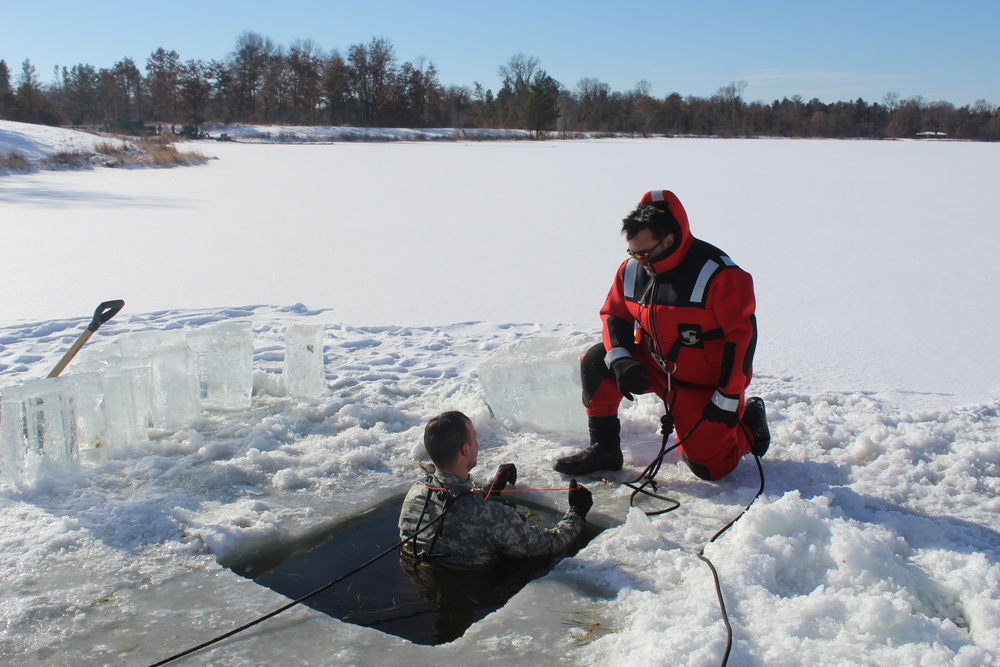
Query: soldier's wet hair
pixel 658 220
pixel 444 436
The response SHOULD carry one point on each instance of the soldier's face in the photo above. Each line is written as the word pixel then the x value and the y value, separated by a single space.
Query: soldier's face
pixel 473 447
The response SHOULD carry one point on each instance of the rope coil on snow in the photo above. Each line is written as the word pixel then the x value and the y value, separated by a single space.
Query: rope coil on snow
pixel 648 479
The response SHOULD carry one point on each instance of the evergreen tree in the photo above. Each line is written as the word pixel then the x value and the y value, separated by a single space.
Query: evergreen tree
pixel 81 94
pixel 540 109
pixel 30 101
pixel 6 91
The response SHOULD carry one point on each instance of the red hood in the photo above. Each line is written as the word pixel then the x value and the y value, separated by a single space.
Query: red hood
pixel 667 199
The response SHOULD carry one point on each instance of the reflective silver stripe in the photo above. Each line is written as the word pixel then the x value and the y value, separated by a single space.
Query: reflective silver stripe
pixel 614 354
pixel 726 403
pixel 656 195
pixel 631 268
pixel 727 261
pixel 698 293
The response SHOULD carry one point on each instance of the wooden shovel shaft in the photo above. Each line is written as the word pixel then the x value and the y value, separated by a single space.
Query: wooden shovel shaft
pixel 71 352
pixel 104 312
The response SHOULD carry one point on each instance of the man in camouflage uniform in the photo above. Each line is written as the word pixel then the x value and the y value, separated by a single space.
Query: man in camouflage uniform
pixel 474 531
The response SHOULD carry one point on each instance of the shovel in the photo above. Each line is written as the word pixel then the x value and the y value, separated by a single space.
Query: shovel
pixel 104 312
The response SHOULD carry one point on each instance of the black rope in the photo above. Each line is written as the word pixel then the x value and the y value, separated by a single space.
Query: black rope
pixel 715 574
pixel 648 478
pixel 300 600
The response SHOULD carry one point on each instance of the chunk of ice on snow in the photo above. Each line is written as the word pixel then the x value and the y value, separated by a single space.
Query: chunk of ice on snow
pixel 303 369
pixel 537 381
pixel 223 359
pixel 37 420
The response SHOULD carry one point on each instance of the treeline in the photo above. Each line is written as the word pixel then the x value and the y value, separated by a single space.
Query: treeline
pixel 264 83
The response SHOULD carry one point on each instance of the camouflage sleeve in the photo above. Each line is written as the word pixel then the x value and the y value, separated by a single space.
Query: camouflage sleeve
pixel 513 535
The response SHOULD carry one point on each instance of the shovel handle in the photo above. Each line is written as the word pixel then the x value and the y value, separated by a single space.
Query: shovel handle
pixel 105 312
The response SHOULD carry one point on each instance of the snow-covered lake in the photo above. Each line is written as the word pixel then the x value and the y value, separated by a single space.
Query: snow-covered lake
pixel 875 542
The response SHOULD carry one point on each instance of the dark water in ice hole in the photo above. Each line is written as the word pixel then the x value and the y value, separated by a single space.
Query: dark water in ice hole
pixel 423 605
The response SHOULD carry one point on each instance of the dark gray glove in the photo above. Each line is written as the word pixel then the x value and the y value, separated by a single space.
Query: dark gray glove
pixel 506 474
pixel 580 500
pixel 631 376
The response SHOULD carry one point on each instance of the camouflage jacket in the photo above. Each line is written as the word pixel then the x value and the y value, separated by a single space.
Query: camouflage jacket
pixel 474 531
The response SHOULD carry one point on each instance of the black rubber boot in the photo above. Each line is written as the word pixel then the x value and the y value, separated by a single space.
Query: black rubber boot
pixel 755 418
pixel 604 453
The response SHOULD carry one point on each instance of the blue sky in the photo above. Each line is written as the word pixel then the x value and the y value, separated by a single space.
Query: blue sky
pixel 947 50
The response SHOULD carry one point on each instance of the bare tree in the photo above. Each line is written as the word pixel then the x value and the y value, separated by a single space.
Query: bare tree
pixel 121 92
pixel 730 99
pixel 248 64
pixel 219 78
pixel 305 71
pixel 418 96
pixel 518 74
pixel 274 99
pixel 336 96
pixel 372 69
pixel 891 101
pixel 194 90
pixel 162 70
pixel 458 100
pixel 644 107
pixel 594 111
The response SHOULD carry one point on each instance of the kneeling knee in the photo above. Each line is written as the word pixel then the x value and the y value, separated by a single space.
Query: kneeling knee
pixel 699 469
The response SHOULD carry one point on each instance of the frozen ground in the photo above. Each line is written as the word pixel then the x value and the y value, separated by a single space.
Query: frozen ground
pixel 875 542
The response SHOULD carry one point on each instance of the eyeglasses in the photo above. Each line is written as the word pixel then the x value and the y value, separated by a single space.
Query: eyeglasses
pixel 643 255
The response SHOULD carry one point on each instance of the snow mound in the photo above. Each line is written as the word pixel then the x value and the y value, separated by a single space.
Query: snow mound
pixel 36 142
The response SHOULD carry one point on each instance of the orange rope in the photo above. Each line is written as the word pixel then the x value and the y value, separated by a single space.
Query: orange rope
pixel 521 490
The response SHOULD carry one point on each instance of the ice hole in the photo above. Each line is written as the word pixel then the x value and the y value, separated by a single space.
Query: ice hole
pixel 427 606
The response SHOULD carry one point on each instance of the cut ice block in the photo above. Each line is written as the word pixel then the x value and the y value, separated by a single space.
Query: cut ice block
pixel 94 357
pixel 170 401
pixel 175 387
pixel 119 405
pixel 11 442
pixel 537 381
pixel 39 421
pixel 139 343
pixel 138 373
pixel 303 370
pixel 223 359
pixel 88 402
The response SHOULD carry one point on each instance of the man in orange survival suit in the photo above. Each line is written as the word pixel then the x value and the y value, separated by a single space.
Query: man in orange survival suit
pixel 679 320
